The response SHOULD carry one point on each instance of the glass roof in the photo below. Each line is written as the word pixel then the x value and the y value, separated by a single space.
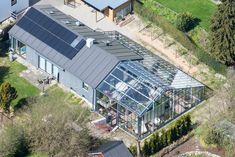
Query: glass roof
pixel 132 86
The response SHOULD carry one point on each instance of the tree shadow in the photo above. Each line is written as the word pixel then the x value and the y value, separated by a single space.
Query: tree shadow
pixel 195 23
pixel 4 71
pixel 4 47
pixel 25 102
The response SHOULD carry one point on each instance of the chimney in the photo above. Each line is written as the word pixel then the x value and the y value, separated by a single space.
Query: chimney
pixel 78 23
pixel 89 42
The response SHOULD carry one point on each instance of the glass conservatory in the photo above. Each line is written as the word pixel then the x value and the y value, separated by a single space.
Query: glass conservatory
pixel 143 95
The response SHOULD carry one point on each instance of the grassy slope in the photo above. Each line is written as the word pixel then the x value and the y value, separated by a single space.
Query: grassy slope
pixel 202 9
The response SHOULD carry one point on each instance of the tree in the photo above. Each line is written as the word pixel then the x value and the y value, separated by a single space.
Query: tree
pixel 146 148
pixel 223 32
pixel 59 130
pixel 7 94
pixel 185 22
pixel 13 141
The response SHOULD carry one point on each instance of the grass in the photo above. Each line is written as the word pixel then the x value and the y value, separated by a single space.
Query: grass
pixel 37 155
pixel 201 9
pixel 9 72
pixel 150 15
pixel 56 95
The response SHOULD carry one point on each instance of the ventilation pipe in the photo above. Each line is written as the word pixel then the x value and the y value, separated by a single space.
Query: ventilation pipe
pixel 89 42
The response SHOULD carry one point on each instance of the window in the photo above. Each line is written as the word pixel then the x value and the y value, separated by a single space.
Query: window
pixel 42 63
pixel 13 2
pixel 48 67
pixel 85 86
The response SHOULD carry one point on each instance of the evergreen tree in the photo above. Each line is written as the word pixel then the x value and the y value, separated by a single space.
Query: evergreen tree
pixel 169 136
pixel 7 94
pixel 157 142
pixel 174 133
pixel 223 32
pixel 188 122
pixel 164 138
pixel 146 149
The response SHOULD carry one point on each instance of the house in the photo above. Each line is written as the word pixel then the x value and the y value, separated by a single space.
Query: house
pixel 134 89
pixel 113 9
pixel 12 8
pixel 111 149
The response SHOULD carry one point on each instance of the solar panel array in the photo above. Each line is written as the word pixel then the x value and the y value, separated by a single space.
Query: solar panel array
pixel 50 32
pixel 80 45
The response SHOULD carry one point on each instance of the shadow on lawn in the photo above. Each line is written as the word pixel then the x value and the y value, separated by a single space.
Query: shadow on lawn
pixel 4 71
pixel 4 47
pixel 195 23
pixel 25 102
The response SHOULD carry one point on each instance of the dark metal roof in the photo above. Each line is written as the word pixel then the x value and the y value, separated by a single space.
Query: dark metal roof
pixel 66 47
pixel 113 149
pixel 122 53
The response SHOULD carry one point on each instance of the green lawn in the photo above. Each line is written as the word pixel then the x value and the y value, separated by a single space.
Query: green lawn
pixel 55 95
pixel 202 9
pixel 10 72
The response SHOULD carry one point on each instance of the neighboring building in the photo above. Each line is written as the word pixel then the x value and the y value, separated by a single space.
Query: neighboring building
pixel 112 149
pixel 111 8
pixel 12 8
pixel 137 90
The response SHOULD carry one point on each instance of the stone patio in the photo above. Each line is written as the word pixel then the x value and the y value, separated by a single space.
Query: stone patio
pixel 34 75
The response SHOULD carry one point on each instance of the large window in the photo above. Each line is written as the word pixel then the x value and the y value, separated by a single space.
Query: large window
pixel 13 2
pixel 42 63
pixel 48 67
pixel 55 71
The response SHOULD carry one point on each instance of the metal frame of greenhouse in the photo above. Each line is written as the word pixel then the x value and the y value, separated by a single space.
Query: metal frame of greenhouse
pixel 144 95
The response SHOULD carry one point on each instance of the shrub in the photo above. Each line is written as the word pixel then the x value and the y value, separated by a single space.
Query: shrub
pixel 147 148
pixel 13 142
pixel 185 22
pixel 148 14
pixel 157 142
pixel 133 150
pixel 213 137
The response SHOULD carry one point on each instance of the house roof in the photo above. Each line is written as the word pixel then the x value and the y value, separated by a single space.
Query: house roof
pixel 62 39
pixel 113 149
pixel 102 4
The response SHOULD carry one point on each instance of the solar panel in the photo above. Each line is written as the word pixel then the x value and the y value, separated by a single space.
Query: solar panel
pixel 47 37
pixel 51 25
pixel 80 45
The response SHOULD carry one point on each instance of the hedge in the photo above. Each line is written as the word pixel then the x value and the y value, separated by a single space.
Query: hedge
pixel 165 137
pixel 149 14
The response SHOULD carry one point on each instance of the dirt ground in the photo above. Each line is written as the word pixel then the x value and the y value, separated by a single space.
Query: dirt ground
pixel 193 144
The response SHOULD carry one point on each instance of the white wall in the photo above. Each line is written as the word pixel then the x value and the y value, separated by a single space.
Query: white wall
pixel 6 8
